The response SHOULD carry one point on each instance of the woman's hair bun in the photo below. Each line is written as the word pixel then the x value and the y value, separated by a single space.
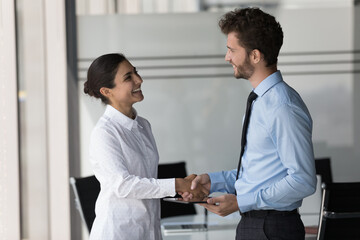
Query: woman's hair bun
pixel 87 90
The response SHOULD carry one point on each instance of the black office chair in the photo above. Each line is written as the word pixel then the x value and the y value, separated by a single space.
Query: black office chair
pixel 323 168
pixel 169 209
pixel 340 211
pixel 86 191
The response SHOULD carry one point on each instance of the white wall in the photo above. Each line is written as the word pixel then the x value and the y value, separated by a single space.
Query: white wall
pixel 9 142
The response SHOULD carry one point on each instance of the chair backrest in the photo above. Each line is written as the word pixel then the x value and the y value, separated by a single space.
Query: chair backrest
pixel 86 191
pixel 169 209
pixel 340 211
pixel 323 168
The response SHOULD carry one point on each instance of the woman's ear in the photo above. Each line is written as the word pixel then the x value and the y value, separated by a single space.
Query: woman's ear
pixel 105 92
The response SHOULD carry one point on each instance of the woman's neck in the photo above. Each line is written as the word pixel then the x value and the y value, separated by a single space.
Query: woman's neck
pixel 127 111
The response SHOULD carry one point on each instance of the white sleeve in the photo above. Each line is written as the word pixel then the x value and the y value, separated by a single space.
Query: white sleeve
pixel 110 169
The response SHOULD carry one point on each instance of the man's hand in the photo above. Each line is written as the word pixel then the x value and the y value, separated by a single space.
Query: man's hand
pixel 202 181
pixel 183 185
pixel 222 205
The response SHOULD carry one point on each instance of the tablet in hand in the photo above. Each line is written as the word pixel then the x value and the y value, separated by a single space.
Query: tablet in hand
pixel 181 200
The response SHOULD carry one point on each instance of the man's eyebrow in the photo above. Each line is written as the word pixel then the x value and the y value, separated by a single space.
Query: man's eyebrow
pixel 230 48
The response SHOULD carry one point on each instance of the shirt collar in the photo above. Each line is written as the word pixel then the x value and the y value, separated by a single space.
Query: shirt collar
pixel 121 118
pixel 268 83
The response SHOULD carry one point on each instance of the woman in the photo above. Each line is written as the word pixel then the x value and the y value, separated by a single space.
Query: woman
pixel 124 156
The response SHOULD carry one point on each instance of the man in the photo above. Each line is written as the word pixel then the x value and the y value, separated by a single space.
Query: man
pixel 277 164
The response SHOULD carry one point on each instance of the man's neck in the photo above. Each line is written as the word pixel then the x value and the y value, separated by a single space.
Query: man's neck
pixel 260 74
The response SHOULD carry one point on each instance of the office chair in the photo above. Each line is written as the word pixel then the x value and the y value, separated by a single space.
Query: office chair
pixel 340 211
pixel 169 209
pixel 86 191
pixel 323 168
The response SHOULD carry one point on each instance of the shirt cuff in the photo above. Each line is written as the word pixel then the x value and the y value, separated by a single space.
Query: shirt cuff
pixel 217 182
pixel 246 202
pixel 167 186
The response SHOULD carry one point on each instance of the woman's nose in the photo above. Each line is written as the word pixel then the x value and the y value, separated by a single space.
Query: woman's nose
pixel 138 79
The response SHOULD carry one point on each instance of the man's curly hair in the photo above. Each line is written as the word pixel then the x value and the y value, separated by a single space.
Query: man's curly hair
pixel 255 29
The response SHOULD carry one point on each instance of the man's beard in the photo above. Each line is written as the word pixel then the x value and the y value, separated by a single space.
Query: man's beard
pixel 244 71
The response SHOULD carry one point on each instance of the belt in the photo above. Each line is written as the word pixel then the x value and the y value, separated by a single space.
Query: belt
pixel 264 213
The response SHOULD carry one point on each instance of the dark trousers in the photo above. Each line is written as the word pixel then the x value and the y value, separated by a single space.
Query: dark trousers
pixel 270 225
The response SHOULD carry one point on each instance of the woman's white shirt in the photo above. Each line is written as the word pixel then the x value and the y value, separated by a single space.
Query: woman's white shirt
pixel 125 160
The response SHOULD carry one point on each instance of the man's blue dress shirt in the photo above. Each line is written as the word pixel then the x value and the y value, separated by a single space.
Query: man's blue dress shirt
pixel 278 167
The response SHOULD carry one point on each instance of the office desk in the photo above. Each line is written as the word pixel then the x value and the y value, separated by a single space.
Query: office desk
pixel 218 227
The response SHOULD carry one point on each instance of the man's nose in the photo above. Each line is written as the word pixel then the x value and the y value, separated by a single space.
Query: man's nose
pixel 227 56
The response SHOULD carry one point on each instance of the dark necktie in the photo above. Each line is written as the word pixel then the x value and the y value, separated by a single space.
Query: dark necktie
pixel 251 98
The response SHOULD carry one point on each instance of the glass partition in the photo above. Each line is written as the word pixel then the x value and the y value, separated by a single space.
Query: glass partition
pixel 192 100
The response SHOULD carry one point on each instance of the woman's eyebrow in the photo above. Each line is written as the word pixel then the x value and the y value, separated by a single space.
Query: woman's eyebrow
pixel 129 73
pixel 126 74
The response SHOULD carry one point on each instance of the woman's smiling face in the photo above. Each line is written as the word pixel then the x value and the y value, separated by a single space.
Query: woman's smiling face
pixel 127 90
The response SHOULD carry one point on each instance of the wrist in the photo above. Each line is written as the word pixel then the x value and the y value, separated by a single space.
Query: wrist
pixel 179 184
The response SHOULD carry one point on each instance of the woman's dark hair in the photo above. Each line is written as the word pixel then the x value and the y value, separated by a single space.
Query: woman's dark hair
pixel 102 73
pixel 255 29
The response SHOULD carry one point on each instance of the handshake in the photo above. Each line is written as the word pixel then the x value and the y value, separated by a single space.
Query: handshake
pixel 197 187
pixel 189 188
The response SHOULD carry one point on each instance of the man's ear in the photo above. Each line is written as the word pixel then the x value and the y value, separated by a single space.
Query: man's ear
pixel 256 56
pixel 105 92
